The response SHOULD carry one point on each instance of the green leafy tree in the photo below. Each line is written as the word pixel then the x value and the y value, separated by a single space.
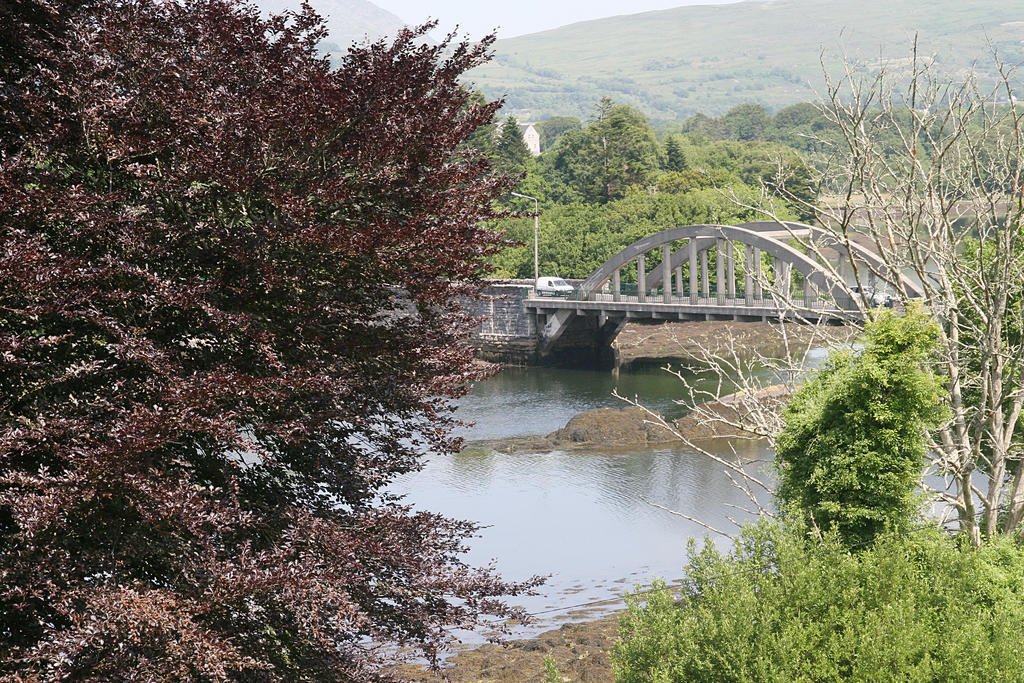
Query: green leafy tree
pixel 619 150
pixel 563 166
pixel 704 126
pixel 551 129
pixel 511 150
pixel 803 127
pixel 675 182
pixel 851 452
pixel 746 122
pixel 780 169
pixel 675 155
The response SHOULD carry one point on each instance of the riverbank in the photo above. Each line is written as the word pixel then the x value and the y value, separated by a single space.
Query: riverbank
pixel 581 652
pixel 644 344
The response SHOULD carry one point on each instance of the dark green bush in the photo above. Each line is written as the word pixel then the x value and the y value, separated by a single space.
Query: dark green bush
pixel 851 452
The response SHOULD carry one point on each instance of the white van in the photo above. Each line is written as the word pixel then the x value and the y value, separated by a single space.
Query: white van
pixel 553 286
pixel 874 297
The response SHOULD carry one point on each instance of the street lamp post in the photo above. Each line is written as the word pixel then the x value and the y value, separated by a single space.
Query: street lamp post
pixel 536 219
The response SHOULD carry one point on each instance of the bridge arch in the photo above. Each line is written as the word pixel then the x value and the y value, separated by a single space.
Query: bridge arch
pixel 595 317
pixel 765 236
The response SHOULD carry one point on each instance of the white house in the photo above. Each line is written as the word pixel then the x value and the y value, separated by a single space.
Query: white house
pixel 531 137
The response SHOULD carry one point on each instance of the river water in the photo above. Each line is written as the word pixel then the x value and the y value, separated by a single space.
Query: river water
pixel 578 517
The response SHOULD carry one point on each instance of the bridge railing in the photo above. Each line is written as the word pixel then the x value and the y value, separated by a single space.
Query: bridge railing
pixel 629 293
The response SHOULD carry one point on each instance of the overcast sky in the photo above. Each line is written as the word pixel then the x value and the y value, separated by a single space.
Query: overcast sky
pixel 516 17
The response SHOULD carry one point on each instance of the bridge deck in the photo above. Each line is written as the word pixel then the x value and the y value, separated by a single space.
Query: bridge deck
pixel 684 308
pixel 719 262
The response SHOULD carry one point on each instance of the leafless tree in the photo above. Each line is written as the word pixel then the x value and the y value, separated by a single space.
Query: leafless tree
pixel 925 169
pixel 746 400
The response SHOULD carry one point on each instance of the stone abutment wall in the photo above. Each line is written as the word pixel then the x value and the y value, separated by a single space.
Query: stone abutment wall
pixel 508 333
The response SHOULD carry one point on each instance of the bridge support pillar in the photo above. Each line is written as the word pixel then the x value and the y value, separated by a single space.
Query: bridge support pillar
pixel 782 278
pixel 810 294
pixel 730 264
pixel 692 248
pixel 617 285
pixel 680 289
pixel 720 271
pixel 641 278
pixel 666 273
pixel 573 340
pixel 756 285
pixel 748 275
pixel 705 284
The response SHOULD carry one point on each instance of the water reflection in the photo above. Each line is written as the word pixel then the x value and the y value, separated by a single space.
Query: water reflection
pixel 578 516
pixel 536 401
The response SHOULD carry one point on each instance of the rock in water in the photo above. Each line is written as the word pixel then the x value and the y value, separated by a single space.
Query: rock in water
pixel 631 426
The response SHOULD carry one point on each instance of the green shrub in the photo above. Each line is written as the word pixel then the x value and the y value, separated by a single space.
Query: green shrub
pixel 551 674
pixel 783 606
pixel 851 452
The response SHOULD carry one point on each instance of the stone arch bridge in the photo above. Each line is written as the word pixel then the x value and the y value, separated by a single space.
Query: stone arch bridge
pixel 707 272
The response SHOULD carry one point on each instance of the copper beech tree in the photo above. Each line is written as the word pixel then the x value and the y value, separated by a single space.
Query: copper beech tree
pixel 227 275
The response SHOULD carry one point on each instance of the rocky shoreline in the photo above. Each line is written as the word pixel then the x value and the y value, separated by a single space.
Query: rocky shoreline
pixel 633 428
pixel 661 343
pixel 581 652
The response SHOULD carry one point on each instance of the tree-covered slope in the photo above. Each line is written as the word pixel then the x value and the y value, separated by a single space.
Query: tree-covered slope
pixel 673 63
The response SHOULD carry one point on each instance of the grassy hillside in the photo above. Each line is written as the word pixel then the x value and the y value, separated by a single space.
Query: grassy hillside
pixel 673 63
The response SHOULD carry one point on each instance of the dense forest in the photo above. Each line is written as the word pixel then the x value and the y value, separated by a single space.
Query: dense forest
pixel 604 183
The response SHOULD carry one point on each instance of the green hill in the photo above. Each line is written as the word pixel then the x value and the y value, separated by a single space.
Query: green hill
pixel 674 63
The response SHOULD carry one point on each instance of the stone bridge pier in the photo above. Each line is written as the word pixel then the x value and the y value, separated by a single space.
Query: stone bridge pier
pixel 584 340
